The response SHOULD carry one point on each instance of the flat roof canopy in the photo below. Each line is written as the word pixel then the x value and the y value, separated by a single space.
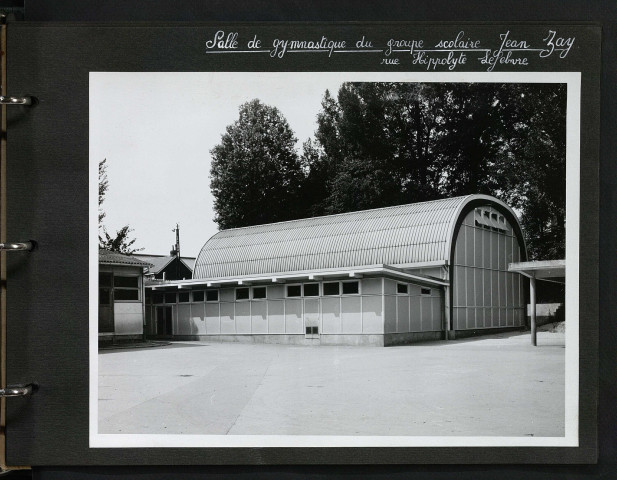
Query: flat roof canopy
pixel 540 269
pixel 385 270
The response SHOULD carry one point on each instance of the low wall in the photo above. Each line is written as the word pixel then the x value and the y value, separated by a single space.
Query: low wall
pixel 545 313
pixel 391 339
pixel 366 340
pixel 456 334
pixel 113 339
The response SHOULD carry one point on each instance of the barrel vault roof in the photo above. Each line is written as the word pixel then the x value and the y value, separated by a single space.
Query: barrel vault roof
pixel 399 235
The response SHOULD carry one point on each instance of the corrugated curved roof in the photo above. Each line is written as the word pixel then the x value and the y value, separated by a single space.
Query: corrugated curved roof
pixel 404 234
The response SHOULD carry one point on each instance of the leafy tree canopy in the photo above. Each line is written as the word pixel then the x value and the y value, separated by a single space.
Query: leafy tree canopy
pixel 381 144
pixel 256 174
pixel 121 241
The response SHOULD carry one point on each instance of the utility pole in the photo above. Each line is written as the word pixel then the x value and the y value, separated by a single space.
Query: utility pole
pixel 176 250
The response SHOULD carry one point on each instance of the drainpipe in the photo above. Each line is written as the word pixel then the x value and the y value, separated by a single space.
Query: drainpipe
pixel 143 305
pixel 446 312
pixel 532 301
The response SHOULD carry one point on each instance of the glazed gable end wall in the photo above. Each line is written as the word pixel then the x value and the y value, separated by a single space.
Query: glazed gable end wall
pixel 484 295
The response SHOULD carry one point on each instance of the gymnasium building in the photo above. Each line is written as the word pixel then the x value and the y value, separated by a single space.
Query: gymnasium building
pixel 386 276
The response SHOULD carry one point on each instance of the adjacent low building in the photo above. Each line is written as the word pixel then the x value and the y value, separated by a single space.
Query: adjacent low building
pixel 121 296
pixel 385 276
pixel 167 267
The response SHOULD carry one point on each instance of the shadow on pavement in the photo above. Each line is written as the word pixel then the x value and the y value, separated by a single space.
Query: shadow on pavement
pixel 138 346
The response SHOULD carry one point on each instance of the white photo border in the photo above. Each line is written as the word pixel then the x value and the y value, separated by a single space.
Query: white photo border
pixel 571 437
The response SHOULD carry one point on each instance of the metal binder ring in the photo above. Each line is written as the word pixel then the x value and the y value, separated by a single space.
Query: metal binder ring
pixel 17 391
pixel 15 100
pixel 17 246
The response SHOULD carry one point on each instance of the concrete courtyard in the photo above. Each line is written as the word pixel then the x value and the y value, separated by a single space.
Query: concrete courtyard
pixel 487 386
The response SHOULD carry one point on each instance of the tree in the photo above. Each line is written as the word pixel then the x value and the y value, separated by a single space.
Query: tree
pixel 377 141
pixel 121 242
pixel 533 166
pixel 103 186
pixel 256 174
pixel 380 144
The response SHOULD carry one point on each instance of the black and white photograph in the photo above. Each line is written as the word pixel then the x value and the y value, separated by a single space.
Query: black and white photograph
pixel 334 259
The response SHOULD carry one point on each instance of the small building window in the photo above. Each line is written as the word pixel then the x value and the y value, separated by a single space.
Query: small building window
pixel 170 297
pixel 212 295
pixel 312 330
pixel 157 298
pixel 198 296
pixel 331 288
pixel 126 294
pixel 401 288
pixel 351 288
pixel 105 279
pixel 425 291
pixel 184 297
pixel 259 292
pixel 294 290
pixel 242 293
pixel 311 289
pixel 126 288
pixel 104 296
pixel 126 282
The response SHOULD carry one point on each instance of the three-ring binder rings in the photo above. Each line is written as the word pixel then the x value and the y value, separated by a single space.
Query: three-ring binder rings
pixel 28 246
pixel 21 390
pixel 15 100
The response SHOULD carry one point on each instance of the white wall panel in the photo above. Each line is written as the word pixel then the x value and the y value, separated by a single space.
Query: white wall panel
pixel 403 323
pixel 294 322
pixel 276 317
pixel 128 318
pixel 228 324
pixel 331 315
pixel 198 319
pixel 259 317
pixel 184 320
pixel 227 294
pixel 351 314
pixel 390 314
pixel 389 287
pixel 371 286
pixel 372 315
pixel 436 313
pixel 243 317
pixel 415 313
pixel 276 291
pixel 213 321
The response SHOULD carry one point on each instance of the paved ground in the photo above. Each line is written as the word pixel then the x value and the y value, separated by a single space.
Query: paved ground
pixel 496 385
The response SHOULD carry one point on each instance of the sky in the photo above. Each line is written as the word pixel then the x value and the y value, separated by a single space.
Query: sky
pixel 156 131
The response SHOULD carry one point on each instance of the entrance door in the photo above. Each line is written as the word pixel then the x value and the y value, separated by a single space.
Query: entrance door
pixel 106 303
pixel 164 321
pixel 311 318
